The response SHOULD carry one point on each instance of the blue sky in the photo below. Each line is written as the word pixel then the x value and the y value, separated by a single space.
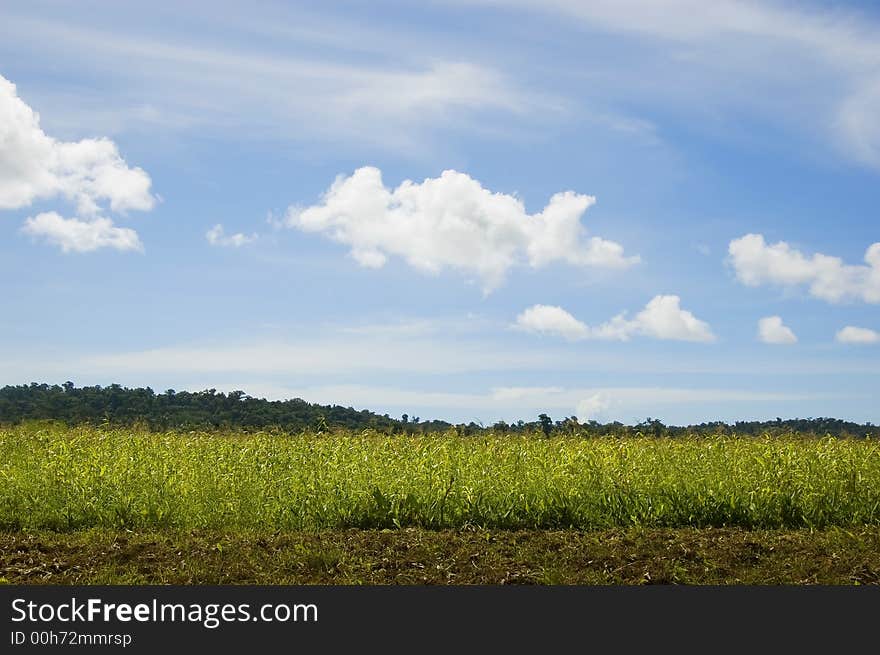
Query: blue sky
pixel 722 165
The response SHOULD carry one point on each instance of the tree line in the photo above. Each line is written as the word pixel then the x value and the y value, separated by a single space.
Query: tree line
pixel 118 405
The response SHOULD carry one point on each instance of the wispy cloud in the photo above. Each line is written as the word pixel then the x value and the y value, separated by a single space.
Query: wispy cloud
pixel 401 350
pixel 258 90
pixel 704 59
pixel 252 74
pixel 349 355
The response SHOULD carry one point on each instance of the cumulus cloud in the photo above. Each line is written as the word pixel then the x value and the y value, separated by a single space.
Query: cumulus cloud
pixel 857 335
pixel 662 318
pixel 217 236
pixel 548 319
pixel 89 173
pixel 771 329
pixel 35 166
pixel 75 235
pixel 827 278
pixel 452 222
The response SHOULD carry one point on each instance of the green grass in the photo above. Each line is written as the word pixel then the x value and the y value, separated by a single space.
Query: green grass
pixel 63 479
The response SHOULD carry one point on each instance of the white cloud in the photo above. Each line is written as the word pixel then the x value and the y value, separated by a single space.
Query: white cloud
pixel 217 236
pixel 453 222
pixel 591 408
pixel 757 263
pixel 89 173
pixel 772 330
pixel 857 335
pixel 75 235
pixel 662 318
pixel 547 319
pixel 34 166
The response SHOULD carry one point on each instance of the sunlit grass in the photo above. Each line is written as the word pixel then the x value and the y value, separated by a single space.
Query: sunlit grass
pixel 72 478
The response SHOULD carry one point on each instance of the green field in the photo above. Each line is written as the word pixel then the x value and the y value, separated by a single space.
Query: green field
pixel 90 505
pixel 66 479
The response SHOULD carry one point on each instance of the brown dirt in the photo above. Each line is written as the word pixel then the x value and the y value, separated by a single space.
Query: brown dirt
pixel 414 556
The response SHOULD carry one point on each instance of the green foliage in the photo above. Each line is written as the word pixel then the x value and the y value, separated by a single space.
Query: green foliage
pixel 176 409
pixel 121 406
pixel 59 478
pixel 546 424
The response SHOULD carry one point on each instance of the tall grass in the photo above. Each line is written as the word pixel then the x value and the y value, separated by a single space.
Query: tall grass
pixel 67 479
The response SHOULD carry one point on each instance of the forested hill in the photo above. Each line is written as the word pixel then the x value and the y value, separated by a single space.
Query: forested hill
pixel 176 409
pixel 211 409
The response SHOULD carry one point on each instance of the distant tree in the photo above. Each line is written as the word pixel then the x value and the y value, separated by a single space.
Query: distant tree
pixel 652 426
pixel 546 424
